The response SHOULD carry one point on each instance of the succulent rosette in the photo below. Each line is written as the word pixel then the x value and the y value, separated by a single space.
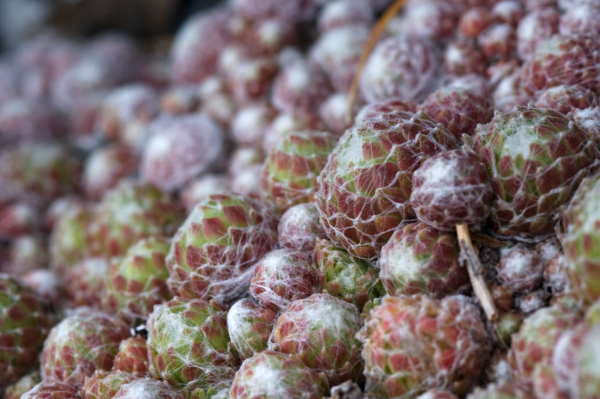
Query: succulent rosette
pixel 283 276
pixel 415 343
pixel 345 276
pixel 300 228
pixel 586 381
pixel 419 259
pixel 376 109
pixel 288 377
pixel 188 344
pixel 85 341
pixel 181 148
pixel 535 159
pixel 437 394
pixel 213 252
pixel 51 391
pixel 293 165
pixel 86 282
pixel 500 390
pixel 520 269
pixel 460 110
pixel 129 212
pixel 580 240
pixel 24 324
pixel 365 187
pixel 132 356
pixel 250 325
pixel 536 340
pixel 403 66
pixel 149 389
pixel 451 188
pixel 566 98
pixel 105 167
pixel 38 172
pixel 563 60
pixel 320 330
pixel 138 281
pixel 105 384
pixel 25 384
pixel 70 238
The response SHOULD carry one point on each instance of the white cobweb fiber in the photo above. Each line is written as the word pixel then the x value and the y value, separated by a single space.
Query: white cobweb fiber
pixel 148 388
pixel 249 326
pixel 520 269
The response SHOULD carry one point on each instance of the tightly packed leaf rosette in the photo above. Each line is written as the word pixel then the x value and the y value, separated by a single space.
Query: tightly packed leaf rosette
pixel 581 241
pixel 85 283
pixel 148 388
pixel 563 59
pixel 364 189
pixel 450 188
pixel 459 109
pixel 346 276
pixel 419 259
pixel 132 356
pixel 536 159
pixel 85 341
pixel 272 374
pixel 51 391
pixel 105 384
pixel 292 166
pixel 23 328
pixel 25 384
pixel 250 326
pixel 37 173
pixel 129 212
pixel 188 344
pixel 586 362
pixel 283 276
pixel 300 227
pixel 500 390
pixel 437 394
pixel 70 238
pixel 320 331
pixel 214 250
pixel 138 281
pixel 534 344
pixel 415 343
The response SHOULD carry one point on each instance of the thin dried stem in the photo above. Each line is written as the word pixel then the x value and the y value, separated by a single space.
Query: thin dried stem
pixel 469 256
pixel 375 33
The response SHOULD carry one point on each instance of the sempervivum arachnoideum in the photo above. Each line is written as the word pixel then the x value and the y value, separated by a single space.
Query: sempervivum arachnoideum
pixel 105 384
pixel 85 341
pixel 132 356
pixel 300 228
pixel 419 259
pixel 188 344
pixel 566 98
pixel 37 172
pixel 51 391
pixel 138 281
pixel 450 188
pixel 213 252
pixel 290 173
pixel 563 59
pixel 520 269
pixel 375 109
pixel 415 343
pixel 148 388
pixel 288 377
pixel 320 330
pixel 500 390
pixel 23 328
pixel 85 282
pixel 282 277
pixel 365 187
pixel 460 110
pixel 129 212
pixel 345 276
pixel 404 67
pixel 70 238
pixel 105 167
pixel 249 325
pixel 533 345
pixel 535 159
pixel 181 148
pixel 25 384
pixel 581 238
